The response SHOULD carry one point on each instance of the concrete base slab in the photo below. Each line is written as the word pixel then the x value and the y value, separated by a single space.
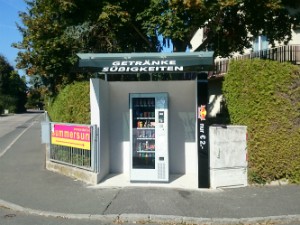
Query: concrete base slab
pixel 123 180
pixel 73 172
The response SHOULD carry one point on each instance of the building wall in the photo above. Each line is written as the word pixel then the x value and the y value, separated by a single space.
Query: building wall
pixel 99 101
pixel 296 37
pixel 215 98
pixel 197 40
pixel 182 123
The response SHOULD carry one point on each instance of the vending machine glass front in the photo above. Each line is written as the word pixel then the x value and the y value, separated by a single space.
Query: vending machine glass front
pixel 143 136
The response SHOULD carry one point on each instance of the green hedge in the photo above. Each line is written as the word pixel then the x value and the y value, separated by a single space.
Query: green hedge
pixel 265 96
pixel 72 105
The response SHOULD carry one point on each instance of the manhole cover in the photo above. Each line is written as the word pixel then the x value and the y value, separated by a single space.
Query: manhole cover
pixel 20 127
pixel 10 215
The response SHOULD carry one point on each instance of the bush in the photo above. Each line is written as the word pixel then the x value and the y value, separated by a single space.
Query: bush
pixel 8 102
pixel 72 105
pixel 264 95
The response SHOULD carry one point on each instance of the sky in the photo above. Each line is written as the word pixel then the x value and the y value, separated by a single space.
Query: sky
pixel 9 16
pixel 8 31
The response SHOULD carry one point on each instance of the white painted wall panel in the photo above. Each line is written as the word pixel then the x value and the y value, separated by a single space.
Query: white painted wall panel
pixel 182 120
pixel 99 101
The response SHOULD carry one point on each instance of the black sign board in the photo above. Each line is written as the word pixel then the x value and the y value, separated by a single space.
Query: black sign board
pixel 203 131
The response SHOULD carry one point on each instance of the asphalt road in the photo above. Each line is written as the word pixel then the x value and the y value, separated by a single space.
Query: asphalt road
pixel 13 126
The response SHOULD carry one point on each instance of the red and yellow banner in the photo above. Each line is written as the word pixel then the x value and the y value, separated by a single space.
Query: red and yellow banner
pixel 76 136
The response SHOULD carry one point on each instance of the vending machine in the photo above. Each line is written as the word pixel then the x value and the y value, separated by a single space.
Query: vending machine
pixel 149 137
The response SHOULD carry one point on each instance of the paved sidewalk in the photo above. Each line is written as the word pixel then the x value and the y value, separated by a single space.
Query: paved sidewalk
pixel 25 185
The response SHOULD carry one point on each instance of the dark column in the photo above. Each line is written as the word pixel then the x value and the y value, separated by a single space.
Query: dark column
pixel 202 131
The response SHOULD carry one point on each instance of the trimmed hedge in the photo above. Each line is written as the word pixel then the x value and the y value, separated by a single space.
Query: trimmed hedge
pixel 72 104
pixel 265 96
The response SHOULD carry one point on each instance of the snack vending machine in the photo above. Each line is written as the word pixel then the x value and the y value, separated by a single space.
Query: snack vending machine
pixel 149 137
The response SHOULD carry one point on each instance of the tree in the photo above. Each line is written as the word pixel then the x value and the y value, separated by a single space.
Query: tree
pixel 36 93
pixel 46 49
pixel 54 31
pixel 5 70
pixel 18 90
pixel 12 88
pixel 230 25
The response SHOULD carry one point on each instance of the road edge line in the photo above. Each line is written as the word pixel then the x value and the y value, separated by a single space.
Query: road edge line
pixel 16 139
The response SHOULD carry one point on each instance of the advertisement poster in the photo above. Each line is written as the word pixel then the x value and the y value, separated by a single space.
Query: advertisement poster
pixel 75 136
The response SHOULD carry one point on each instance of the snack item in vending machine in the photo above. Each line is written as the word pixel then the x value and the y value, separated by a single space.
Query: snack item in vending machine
pixel 149 133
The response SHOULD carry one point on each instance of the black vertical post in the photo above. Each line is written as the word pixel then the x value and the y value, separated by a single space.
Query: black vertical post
pixel 202 131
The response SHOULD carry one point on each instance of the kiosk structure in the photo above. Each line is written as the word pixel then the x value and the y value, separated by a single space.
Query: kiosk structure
pixel 151 130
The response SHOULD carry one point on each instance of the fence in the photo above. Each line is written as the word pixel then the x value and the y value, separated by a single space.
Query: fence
pixel 75 145
pixel 287 53
pixel 72 156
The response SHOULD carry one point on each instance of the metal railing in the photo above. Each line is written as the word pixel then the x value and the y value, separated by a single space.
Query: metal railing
pixel 287 53
pixel 67 154
pixel 72 156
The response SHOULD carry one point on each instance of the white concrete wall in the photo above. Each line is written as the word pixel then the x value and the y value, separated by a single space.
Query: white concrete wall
pixel 182 123
pixel 99 100
pixel 228 156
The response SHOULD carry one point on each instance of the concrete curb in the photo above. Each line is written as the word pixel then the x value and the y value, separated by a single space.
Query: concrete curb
pixel 162 219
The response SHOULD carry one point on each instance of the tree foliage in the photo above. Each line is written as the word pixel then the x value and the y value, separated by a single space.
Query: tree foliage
pixel 36 93
pixel 5 70
pixel 230 25
pixel 47 49
pixel 12 88
pixel 55 30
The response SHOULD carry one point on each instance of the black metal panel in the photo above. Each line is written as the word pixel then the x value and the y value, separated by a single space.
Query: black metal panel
pixel 202 131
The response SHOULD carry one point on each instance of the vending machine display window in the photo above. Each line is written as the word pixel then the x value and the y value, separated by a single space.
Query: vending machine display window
pixel 143 155
pixel 149 137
